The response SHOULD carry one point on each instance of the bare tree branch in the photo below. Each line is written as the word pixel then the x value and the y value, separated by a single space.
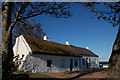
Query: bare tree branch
pixel 24 23
pixel 17 15
pixel 30 16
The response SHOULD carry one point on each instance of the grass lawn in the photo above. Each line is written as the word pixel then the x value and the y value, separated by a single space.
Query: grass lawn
pixel 32 74
pixel 64 75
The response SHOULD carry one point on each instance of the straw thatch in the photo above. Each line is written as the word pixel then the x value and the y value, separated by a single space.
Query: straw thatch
pixel 39 46
pixel 84 51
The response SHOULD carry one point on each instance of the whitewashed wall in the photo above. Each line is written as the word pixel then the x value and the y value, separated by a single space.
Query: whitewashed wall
pixel 21 48
pixel 94 62
pixel 38 63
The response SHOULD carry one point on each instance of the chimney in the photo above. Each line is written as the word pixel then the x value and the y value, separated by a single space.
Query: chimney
pixel 46 38
pixel 67 43
pixel 87 47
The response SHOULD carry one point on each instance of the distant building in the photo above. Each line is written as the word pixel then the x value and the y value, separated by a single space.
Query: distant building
pixel 44 56
pixel 104 64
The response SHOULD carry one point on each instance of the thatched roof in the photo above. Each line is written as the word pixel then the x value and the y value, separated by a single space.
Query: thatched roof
pixel 84 51
pixel 39 46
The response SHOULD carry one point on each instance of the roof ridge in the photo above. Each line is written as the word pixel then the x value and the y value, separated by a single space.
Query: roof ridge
pixel 48 41
pixel 40 45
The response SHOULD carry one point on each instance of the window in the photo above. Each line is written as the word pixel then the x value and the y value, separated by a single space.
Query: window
pixel 83 61
pixel 96 61
pixel 76 62
pixel 49 63
pixel 62 63
pixel 87 64
pixel 86 60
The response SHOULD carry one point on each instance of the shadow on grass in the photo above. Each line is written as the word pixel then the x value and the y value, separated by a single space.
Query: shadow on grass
pixel 27 77
pixel 72 79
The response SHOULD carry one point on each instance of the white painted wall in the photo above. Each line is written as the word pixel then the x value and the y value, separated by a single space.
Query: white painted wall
pixel 38 63
pixel 21 48
pixel 94 63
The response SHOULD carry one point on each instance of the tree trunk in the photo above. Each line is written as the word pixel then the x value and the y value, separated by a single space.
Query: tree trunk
pixel 7 52
pixel 114 62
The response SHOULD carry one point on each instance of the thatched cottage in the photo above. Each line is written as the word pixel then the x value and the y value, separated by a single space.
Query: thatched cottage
pixel 44 56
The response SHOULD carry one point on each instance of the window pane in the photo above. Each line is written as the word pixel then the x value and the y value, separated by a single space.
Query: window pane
pixel 62 63
pixel 76 62
pixel 83 61
pixel 49 63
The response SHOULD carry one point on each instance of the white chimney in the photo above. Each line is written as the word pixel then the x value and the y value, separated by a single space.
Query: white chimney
pixel 67 43
pixel 46 38
pixel 87 47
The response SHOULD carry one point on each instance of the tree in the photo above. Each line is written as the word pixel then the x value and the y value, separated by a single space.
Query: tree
pixel 111 13
pixel 114 61
pixel 31 29
pixel 13 12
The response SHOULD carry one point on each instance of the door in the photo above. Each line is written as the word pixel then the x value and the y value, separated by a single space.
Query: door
pixel 86 62
pixel 71 64
pixel 80 67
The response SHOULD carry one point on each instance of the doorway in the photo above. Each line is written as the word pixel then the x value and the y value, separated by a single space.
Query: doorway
pixel 87 63
pixel 71 64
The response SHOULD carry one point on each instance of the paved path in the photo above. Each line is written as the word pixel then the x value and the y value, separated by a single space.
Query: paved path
pixel 102 74
pixel 72 76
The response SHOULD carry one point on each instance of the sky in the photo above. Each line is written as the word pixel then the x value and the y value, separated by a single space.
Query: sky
pixel 81 30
